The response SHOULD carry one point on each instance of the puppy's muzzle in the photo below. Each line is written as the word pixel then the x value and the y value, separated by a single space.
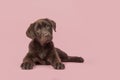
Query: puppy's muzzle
pixel 45 38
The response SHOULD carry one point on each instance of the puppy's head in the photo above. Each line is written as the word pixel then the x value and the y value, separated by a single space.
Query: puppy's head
pixel 41 30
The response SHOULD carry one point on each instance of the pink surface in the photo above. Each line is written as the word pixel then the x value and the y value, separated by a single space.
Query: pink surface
pixel 87 28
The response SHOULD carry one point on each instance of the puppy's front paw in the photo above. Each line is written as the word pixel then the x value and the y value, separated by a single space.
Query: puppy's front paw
pixel 27 65
pixel 59 66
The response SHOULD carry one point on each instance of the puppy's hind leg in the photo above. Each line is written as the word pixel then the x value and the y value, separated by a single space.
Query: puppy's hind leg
pixel 65 58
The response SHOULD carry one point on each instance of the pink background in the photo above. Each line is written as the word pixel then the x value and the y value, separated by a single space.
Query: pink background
pixel 87 28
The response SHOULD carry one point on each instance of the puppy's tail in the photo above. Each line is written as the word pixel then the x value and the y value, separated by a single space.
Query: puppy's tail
pixel 74 59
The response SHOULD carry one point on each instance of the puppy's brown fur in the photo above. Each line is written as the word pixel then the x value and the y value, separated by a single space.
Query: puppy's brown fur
pixel 41 48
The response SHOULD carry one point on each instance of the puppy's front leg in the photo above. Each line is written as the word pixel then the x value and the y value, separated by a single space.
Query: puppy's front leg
pixel 27 62
pixel 55 60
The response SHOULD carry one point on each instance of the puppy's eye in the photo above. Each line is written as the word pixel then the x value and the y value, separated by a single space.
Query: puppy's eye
pixel 39 27
pixel 47 26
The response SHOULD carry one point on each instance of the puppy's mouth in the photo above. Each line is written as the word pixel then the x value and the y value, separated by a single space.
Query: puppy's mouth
pixel 44 40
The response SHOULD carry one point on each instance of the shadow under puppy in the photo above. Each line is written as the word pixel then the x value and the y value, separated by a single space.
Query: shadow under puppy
pixel 41 48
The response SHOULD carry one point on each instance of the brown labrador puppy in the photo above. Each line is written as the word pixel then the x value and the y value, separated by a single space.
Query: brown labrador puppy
pixel 41 48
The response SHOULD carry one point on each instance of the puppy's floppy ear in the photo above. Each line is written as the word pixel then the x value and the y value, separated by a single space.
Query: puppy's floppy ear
pixel 53 25
pixel 31 31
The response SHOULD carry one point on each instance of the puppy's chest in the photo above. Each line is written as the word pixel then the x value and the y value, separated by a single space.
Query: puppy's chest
pixel 42 53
